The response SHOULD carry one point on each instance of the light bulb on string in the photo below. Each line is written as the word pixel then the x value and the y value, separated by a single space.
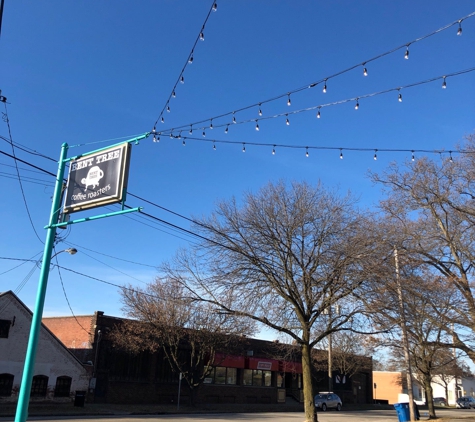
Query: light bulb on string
pixel 257 126
pixel 288 100
pixel 227 129
pixel 204 134
pixel 179 135
pixel 154 138
pixel 260 110
pixel 190 60
pixel 154 129
pixel 273 150
pixel 182 80
pixel 318 113
pixel 215 7
pixel 306 152
pixel 202 36
pixel 365 71
pixel 406 54
pixel 168 109
pixel 162 120
pixel 399 97
pixel 413 158
pixel 191 130
pixel 211 124
pixel 375 155
pixel 183 143
pixel 234 118
pixel 459 31
pixel 357 105
pixel 243 147
pixel 450 157
pixel 341 154
pixel 173 94
pixel 214 146
pixel 287 121
pixel 325 87
pixel 444 84
pixel 171 134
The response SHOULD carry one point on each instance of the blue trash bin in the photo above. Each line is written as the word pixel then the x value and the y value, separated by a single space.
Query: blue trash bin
pixel 402 410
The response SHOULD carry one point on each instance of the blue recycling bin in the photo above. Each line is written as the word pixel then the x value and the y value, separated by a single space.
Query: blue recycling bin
pixel 402 410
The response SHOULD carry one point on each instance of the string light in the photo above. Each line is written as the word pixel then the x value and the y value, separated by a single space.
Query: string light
pixel 215 7
pixel 306 152
pixel 168 109
pixel 325 86
pixel 234 118
pixel 257 126
pixel 341 154
pixel 357 105
pixel 154 138
pixel 191 130
pixel 182 80
pixel 413 158
pixel 318 113
pixel 190 60
pixel 227 129
pixel 243 147
pixel 288 100
pixel 451 159
pixel 171 135
pixel 365 71
pixel 204 134
pixel 375 155
pixel 459 31
pixel 202 36
pixel 179 135
pixel 406 55
pixel 260 110
pixel 287 121
pixel 163 120
pixel 183 143
pixel 211 124
pixel 399 97
pixel 273 150
pixel 444 84
pixel 173 94
pixel 214 146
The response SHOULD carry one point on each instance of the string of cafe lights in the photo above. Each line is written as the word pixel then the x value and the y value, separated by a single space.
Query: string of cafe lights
pixel 355 100
pixel 189 60
pixel 324 81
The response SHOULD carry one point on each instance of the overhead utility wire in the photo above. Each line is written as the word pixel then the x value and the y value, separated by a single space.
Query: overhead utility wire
pixel 189 60
pixel 325 79
pixel 27 149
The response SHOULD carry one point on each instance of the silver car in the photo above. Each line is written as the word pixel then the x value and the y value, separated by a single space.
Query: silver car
pixel 324 401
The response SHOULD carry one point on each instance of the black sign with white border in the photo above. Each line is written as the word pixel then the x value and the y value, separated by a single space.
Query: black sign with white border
pixel 97 179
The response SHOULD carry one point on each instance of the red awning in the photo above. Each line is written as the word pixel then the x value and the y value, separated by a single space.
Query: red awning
pixel 229 361
pixel 264 364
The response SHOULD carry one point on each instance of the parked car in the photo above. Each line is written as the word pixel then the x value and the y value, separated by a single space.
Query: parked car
pixel 326 401
pixel 440 401
pixel 465 402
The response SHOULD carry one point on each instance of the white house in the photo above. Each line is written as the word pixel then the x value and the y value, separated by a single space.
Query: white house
pixel 58 374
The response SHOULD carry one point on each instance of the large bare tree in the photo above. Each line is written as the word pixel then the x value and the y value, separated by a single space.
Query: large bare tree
pixel 281 257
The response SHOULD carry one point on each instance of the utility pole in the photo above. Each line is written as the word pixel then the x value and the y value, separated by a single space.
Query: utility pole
pixel 405 341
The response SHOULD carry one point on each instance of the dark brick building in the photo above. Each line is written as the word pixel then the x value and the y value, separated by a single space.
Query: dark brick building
pixel 264 372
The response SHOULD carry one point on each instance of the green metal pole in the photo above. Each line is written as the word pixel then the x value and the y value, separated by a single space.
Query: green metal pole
pixel 28 370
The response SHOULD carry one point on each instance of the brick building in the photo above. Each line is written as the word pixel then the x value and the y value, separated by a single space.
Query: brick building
pixel 58 374
pixel 262 373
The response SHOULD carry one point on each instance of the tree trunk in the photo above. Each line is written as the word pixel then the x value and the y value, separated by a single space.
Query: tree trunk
pixel 429 397
pixel 308 393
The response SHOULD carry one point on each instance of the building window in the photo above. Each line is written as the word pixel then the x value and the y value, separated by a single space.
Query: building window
pixel 257 378
pixel 222 375
pixel 4 328
pixel 63 386
pixel 6 384
pixel 39 386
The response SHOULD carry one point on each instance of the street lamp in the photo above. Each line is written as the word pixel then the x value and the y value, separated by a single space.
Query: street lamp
pixel 25 387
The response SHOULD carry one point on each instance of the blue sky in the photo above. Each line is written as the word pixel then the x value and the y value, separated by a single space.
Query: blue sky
pixel 92 73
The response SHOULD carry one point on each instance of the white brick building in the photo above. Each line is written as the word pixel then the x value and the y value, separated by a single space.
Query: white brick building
pixel 58 374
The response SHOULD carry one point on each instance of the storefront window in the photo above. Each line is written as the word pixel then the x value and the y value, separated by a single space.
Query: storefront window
pixel 220 375
pixel 247 377
pixel 257 378
pixel 267 378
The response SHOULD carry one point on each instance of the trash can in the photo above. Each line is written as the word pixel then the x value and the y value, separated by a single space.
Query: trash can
pixel 79 398
pixel 402 410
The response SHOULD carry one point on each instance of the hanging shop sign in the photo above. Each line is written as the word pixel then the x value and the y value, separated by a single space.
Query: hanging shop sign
pixel 97 179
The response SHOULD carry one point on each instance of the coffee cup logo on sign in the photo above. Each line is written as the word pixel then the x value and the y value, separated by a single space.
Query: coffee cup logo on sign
pixel 94 175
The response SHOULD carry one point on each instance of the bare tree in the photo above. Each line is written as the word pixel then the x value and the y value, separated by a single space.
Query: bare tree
pixel 282 257
pixel 190 333
pixel 433 205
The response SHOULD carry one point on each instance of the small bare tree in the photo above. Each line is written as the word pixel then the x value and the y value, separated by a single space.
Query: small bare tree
pixel 190 333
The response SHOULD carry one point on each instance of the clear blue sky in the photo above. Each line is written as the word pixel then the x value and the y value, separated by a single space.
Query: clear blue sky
pixel 85 72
